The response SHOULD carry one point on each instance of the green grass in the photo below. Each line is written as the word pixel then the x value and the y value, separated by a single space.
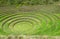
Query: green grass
pixel 44 20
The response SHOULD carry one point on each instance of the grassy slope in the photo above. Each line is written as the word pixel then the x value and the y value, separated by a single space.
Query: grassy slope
pixel 48 15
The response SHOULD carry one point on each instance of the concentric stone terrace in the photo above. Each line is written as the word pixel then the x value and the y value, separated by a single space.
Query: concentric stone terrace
pixel 30 23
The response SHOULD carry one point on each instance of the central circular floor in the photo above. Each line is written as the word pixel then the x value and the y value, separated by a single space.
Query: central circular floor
pixel 22 26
